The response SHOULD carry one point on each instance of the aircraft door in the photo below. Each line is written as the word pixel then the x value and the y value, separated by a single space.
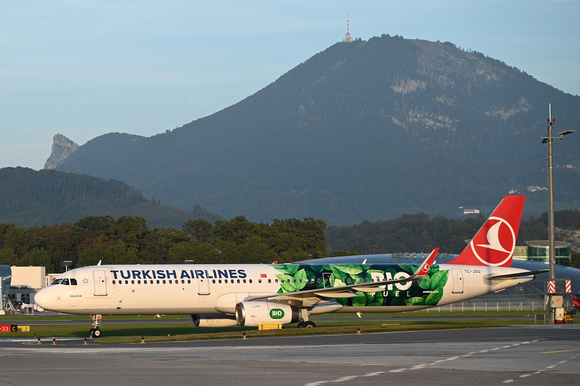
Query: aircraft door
pixel 457 281
pixel 100 283
pixel 203 286
pixel 326 279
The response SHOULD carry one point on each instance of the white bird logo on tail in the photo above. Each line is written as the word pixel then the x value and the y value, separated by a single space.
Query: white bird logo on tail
pixel 492 243
pixel 493 239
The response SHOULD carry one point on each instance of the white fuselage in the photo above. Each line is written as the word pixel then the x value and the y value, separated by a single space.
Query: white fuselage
pixel 216 289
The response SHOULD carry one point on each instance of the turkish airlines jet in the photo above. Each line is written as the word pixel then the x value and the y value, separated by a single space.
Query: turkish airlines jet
pixel 250 294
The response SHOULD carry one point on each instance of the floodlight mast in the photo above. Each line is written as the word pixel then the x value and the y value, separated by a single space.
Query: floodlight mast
pixel 551 243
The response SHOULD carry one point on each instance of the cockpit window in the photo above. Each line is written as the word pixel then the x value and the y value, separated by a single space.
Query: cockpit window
pixel 65 281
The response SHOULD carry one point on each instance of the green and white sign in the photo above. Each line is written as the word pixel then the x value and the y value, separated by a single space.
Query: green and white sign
pixel 276 313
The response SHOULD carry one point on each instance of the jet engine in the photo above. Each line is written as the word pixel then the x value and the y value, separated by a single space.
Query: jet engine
pixel 251 314
pixel 213 321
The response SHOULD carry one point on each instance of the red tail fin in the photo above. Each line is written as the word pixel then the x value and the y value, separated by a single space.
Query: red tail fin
pixel 494 243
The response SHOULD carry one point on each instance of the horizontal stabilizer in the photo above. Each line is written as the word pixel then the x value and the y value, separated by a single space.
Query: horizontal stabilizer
pixel 514 275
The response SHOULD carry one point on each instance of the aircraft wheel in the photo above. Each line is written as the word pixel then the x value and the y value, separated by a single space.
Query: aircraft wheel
pixel 309 324
pixel 95 333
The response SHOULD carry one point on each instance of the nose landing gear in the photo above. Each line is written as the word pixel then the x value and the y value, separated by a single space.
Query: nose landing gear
pixel 95 331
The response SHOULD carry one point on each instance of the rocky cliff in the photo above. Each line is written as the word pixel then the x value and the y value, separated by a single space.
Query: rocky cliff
pixel 62 147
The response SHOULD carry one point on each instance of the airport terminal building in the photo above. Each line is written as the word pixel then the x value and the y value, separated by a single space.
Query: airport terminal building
pixel 539 250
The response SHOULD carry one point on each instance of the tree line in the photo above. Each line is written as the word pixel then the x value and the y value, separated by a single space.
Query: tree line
pixel 419 233
pixel 129 240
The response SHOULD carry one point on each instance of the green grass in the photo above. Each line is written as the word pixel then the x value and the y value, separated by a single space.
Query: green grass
pixel 333 324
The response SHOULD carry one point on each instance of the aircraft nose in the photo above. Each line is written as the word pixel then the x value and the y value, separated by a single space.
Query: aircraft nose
pixel 43 298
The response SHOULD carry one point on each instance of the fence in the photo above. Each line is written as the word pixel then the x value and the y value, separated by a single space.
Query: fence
pixel 508 305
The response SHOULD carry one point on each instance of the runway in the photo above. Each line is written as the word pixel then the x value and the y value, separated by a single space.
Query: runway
pixel 518 354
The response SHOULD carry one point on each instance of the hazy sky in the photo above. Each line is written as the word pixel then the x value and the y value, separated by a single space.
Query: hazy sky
pixel 86 68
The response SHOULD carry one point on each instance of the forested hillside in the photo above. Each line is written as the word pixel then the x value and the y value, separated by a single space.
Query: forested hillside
pixel 47 197
pixel 418 233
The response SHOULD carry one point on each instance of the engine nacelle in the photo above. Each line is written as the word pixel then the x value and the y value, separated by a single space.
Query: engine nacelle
pixel 251 314
pixel 213 321
pixel 324 308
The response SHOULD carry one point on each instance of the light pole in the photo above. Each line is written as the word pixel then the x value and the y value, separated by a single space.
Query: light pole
pixel 551 248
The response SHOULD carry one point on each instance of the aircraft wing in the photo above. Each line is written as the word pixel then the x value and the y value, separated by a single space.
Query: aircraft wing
pixel 313 296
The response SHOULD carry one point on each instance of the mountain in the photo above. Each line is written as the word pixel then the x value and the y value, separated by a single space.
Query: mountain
pixel 48 197
pixel 62 147
pixel 366 130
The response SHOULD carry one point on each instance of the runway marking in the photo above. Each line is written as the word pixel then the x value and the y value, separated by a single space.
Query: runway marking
pixel 421 366
pixel 373 374
pixel 547 367
pixel 555 352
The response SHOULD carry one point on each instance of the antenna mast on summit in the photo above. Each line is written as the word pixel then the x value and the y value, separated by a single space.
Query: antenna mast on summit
pixel 348 37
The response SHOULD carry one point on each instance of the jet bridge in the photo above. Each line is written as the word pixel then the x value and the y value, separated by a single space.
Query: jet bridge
pixel 5 279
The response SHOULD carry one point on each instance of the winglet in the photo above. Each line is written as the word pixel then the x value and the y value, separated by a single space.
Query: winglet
pixel 494 244
pixel 425 266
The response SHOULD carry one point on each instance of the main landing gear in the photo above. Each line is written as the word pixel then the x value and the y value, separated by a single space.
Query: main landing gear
pixel 305 321
pixel 96 330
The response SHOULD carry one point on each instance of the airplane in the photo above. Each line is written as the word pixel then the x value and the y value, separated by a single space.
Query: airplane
pixel 225 295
